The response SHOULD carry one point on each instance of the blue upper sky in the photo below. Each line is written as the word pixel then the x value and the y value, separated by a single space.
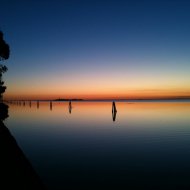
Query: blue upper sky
pixel 73 41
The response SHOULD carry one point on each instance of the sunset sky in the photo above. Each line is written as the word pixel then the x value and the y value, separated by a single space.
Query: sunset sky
pixel 96 48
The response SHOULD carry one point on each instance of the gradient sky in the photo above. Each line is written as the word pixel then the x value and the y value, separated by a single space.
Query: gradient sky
pixel 96 48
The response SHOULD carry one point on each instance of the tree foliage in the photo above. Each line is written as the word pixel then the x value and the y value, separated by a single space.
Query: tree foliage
pixel 4 54
pixel 4 48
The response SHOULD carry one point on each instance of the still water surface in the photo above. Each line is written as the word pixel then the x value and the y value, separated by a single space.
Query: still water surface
pixel 145 145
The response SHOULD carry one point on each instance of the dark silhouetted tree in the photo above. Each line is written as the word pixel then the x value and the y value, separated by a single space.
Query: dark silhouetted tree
pixel 4 54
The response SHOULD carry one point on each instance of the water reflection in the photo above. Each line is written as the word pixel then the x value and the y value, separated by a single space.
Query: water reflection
pixel 149 149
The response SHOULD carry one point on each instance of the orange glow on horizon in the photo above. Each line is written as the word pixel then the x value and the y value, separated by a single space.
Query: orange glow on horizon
pixel 104 84
pixel 133 94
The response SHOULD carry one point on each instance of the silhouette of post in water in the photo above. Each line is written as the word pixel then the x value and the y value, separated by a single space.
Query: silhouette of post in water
pixel 50 105
pixel 114 111
pixel 30 104
pixel 38 104
pixel 70 107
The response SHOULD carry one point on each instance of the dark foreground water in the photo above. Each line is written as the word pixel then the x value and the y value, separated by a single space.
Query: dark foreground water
pixel 145 145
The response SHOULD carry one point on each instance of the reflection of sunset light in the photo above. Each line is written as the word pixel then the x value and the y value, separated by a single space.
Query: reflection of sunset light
pixel 94 112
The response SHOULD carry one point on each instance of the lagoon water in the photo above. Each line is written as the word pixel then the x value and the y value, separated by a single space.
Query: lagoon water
pixel 146 145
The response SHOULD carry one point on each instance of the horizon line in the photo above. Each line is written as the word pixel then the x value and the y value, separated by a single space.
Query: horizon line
pixel 104 99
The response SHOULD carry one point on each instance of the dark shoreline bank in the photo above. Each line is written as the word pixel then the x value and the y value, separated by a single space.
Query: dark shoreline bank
pixel 16 171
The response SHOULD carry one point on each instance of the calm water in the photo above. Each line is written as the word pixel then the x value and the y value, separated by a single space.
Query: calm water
pixel 146 147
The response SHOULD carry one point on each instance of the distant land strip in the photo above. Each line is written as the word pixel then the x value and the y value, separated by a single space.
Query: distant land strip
pixel 108 99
